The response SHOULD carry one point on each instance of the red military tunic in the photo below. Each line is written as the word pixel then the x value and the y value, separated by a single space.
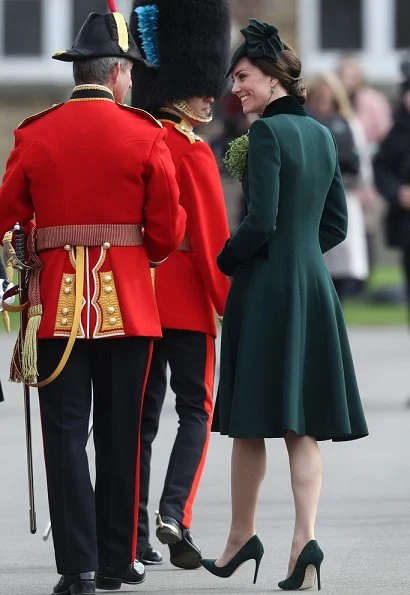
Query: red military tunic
pixel 92 161
pixel 189 286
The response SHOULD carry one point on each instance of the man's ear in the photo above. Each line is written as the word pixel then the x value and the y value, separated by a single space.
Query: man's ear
pixel 115 73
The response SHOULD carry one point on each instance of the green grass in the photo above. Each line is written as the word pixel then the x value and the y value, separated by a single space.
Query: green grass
pixel 363 314
pixel 14 322
pixel 385 275
pixel 359 312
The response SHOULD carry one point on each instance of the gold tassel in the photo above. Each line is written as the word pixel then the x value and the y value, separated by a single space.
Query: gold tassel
pixel 29 357
pixel 15 366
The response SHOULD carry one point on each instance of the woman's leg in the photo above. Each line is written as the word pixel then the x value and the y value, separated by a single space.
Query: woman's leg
pixel 248 469
pixel 306 478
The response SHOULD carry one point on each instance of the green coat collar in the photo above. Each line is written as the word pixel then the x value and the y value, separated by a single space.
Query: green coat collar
pixel 284 105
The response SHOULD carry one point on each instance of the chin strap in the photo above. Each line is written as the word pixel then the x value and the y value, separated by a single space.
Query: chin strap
pixel 182 106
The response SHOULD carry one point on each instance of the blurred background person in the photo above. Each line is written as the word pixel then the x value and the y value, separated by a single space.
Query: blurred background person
pixel 373 110
pixel 328 103
pixel 371 106
pixel 392 177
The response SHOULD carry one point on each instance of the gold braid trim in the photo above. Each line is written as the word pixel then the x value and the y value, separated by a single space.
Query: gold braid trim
pixel 182 106
pixel 90 99
pixel 91 87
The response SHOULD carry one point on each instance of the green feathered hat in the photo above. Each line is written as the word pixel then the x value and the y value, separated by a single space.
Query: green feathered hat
pixel 261 41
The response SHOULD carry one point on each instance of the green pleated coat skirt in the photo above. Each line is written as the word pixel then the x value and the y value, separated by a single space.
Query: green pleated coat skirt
pixel 286 362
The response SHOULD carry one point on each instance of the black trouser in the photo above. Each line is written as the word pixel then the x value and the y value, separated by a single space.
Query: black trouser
pixel 90 530
pixel 191 357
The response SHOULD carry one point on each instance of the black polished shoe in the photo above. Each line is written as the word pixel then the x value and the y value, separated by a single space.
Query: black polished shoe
pixel 185 554
pixel 76 584
pixel 111 579
pixel 168 529
pixel 150 556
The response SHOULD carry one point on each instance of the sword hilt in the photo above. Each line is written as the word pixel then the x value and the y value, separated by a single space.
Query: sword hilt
pixel 19 243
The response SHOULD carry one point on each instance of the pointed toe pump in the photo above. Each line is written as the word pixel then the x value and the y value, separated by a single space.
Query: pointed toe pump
pixel 306 569
pixel 252 550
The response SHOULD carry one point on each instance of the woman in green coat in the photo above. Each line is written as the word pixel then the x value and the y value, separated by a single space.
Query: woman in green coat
pixel 286 365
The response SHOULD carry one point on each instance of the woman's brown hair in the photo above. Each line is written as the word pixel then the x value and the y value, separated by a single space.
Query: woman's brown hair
pixel 287 70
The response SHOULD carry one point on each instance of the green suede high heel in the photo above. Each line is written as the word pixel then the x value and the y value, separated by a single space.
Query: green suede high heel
pixel 306 569
pixel 252 550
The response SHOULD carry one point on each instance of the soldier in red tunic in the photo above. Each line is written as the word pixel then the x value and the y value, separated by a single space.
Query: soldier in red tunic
pixel 188 41
pixel 100 181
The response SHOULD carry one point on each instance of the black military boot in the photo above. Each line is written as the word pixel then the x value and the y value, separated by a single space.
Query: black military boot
pixel 168 529
pixel 186 553
pixel 76 584
pixel 150 556
pixel 110 579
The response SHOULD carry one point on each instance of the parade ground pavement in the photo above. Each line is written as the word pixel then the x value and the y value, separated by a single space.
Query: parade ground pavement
pixel 364 516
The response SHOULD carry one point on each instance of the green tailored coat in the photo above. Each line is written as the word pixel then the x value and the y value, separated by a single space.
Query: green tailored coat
pixel 285 356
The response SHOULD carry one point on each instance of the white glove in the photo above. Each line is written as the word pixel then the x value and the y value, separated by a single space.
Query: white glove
pixel 4 286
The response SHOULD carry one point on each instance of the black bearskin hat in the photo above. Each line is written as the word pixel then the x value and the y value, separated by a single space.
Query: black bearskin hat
pixel 188 41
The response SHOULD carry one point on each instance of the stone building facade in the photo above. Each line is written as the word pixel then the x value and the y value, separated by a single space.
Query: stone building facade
pixel 281 13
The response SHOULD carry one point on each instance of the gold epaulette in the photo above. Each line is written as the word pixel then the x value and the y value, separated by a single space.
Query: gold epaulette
pixel 39 115
pixel 142 113
pixel 190 134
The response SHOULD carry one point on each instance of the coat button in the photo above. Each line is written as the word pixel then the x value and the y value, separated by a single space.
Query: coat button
pixel 108 289
pixel 68 280
pixel 106 245
pixel 67 247
pixel 67 290
pixel 64 321
pixel 113 320
pixel 110 309
pixel 107 278
pixel 65 311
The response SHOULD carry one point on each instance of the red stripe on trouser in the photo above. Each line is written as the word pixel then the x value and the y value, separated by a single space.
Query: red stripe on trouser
pixel 137 471
pixel 208 406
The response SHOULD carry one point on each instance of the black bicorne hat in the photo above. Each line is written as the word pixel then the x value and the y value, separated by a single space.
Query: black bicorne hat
pixel 188 41
pixel 103 35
